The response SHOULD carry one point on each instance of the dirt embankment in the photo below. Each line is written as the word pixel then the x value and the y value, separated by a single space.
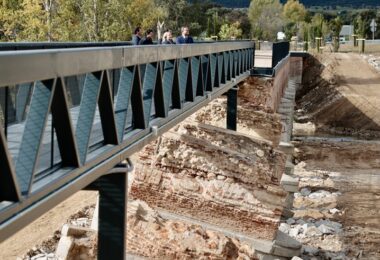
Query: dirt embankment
pixel 337 157
pixel 340 95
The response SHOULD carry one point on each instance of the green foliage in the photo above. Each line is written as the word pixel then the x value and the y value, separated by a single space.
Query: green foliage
pixel 360 24
pixel 70 20
pixel 174 10
pixel 8 23
pixel 228 31
pixel 32 18
pixel 294 11
pixel 239 16
pixel 336 27
pixel 266 18
pixel 308 3
pixel 305 28
pixel 109 20
pixel 318 26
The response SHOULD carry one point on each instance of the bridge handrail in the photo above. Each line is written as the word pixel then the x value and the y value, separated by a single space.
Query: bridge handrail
pixel 25 66
pixel 280 51
pixel 18 46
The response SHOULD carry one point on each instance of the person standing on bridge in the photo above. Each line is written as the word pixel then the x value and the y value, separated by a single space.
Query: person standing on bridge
pixel 136 38
pixel 185 36
pixel 148 40
pixel 167 38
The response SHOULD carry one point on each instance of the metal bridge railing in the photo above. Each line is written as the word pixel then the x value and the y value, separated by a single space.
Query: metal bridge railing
pixel 69 116
pixel 269 58
pixel 280 51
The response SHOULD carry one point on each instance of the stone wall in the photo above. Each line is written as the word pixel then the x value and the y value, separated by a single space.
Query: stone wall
pixel 214 175
pixel 280 83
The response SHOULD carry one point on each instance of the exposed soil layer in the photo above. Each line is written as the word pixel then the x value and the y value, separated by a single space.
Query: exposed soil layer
pixel 213 175
pixel 340 95
pixel 337 159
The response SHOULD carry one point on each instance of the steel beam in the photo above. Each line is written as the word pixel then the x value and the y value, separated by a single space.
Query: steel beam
pixel 232 108
pixel 63 127
pixel 9 190
pixel 33 133
pixel 112 223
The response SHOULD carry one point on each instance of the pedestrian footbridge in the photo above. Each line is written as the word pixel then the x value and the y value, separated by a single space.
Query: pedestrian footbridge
pixel 72 115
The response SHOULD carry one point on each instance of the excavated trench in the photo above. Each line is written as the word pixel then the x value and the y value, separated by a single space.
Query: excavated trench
pixel 336 136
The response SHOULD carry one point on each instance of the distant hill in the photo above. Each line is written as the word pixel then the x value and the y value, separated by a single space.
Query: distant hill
pixel 308 3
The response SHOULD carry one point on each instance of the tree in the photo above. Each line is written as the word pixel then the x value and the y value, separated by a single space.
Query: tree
pixel 294 11
pixel 294 14
pixel 317 25
pixel 144 13
pixel 108 20
pixel 360 26
pixel 71 19
pixel 266 18
pixel 8 22
pixel 362 23
pixel 174 9
pixel 336 27
pixel 197 13
pixel 305 28
pixel 241 16
pixel 232 31
pixel 32 21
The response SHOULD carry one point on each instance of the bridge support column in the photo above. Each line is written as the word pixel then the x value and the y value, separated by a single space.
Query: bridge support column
pixel 112 227
pixel 232 108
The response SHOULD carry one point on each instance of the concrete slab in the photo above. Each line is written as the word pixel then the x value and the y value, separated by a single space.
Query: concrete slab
pixel 289 168
pixel 284 240
pixel 289 183
pixel 64 246
pixel 263 256
pixel 95 217
pixel 286 147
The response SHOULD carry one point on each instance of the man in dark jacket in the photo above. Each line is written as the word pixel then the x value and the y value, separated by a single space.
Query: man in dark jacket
pixel 136 38
pixel 184 38
pixel 148 38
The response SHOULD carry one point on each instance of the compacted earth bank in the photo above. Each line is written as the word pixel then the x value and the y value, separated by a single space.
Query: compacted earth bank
pixel 337 158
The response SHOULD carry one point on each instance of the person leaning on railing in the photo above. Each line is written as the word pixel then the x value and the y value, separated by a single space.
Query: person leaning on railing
pixel 167 38
pixel 148 39
pixel 185 36
pixel 136 38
